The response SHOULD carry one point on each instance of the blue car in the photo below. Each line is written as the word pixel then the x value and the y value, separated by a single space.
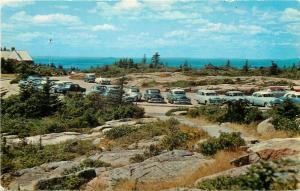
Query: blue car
pixel 264 98
pixel 292 96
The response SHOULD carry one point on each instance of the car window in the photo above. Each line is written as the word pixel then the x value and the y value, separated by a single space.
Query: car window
pixel 293 96
pixel 179 92
pixel 211 94
pixel 135 90
pixel 298 96
pixel 259 95
pixel 267 95
pixel 238 94
pixel 154 91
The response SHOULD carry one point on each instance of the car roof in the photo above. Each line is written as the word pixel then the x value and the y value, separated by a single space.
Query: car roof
pixel 234 92
pixel 181 90
pixel 264 92
pixel 208 91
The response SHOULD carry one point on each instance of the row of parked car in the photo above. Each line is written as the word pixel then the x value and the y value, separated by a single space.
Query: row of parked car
pixel 271 97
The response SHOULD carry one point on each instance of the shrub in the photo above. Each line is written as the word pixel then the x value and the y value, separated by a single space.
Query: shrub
pixel 175 140
pixel 261 176
pixel 152 150
pixel 87 163
pixel 227 141
pixel 211 112
pixel 26 156
pixel 253 114
pixel 117 132
pixel 285 124
pixel 171 111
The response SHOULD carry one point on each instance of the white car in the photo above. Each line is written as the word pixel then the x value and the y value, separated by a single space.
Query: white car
pixel 208 97
pixel 264 98
pixel 235 96
pixel 134 92
pixel 103 81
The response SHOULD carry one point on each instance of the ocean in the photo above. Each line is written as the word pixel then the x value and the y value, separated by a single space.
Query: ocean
pixel 87 62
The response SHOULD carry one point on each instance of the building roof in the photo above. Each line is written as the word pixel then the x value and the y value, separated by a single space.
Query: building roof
pixel 20 55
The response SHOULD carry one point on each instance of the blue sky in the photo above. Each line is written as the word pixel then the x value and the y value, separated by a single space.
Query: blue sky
pixel 174 28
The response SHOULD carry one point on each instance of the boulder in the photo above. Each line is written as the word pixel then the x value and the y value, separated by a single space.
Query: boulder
pixel 274 149
pixel 265 126
pixel 168 165
pixel 234 172
pixel 116 157
pixel 25 179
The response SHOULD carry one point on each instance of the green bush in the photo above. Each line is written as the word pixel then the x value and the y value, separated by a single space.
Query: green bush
pixel 171 111
pixel 211 112
pixel 227 141
pixel 261 176
pixel 87 163
pixel 26 156
pixel 117 132
pixel 152 150
pixel 175 140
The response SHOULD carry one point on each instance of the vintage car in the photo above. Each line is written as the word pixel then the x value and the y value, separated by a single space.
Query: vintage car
pixel 103 81
pixel 89 78
pixel 278 91
pixel 264 98
pixel 60 86
pixel 235 96
pixel 134 92
pixel 72 88
pixel 208 97
pixel 98 89
pixel 292 96
pixel 153 96
pixel 33 80
pixel 178 96
pixel 115 93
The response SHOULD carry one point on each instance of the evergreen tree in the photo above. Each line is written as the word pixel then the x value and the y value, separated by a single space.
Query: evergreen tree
pixel 155 60
pixel 144 59
pixel 274 69
pixel 246 67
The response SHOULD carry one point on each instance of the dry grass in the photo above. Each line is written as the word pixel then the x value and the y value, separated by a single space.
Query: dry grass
pixel 164 75
pixel 250 130
pixel 221 163
pixel 8 75
pixel 201 121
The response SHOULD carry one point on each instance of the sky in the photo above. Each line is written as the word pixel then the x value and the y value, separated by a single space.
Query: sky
pixel 174 28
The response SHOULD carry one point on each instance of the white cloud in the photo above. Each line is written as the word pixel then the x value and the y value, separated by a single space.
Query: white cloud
pixel 290 14
pixel 127 5
pixel 15 3
pixel 229 28
pixel 176 33
pixel 56 18
pixel 28 36
pixel 104 27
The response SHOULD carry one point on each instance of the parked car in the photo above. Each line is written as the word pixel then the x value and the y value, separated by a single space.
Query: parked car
pixel 103 81
pixel 73 88
pixel 278 91
pixel 264 98
pixel 60 86
pixel 235 96
pixel 90 77
pixel 99 89
pixel 33 80
pixel 178 96
pixel 292 96
pixel 208 97
pixel 135 93
pixel 153 96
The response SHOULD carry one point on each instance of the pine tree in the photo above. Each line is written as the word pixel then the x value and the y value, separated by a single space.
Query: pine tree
pixel 246 67
pixel 144 59
pixel 155 60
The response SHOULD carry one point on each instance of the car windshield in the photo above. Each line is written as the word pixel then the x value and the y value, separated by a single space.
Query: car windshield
pixel 179 92
pixel 113 91
pixel 237 94
pixel 211 94
pixel 135 90
pixel 267 95
pixel 154 91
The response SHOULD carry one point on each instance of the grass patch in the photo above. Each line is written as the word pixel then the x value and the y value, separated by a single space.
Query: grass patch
pixel 171 111
pixel 20 156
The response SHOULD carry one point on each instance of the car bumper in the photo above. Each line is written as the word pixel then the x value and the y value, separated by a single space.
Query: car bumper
pixel 156 100
pixel 182 102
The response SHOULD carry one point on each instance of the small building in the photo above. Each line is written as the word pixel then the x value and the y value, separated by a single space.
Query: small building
pixel 19 55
